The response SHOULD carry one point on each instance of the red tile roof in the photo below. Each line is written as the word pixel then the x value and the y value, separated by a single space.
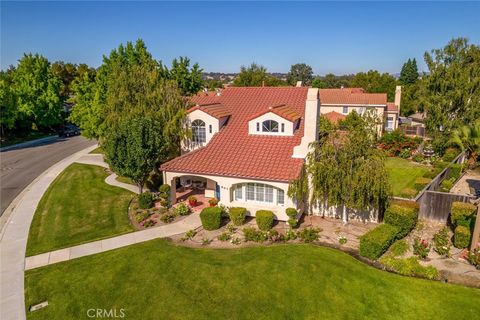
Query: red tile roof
pixel 392 107
pixel 334 117
pixel 351 96
pixel 216 110
pixel 233 152
pixel 281 110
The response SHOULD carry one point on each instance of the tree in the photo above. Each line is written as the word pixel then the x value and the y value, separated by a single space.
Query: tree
pixel 345 170
pixel 409 73
pixel 66 72
pixel 133 146
pixel 255 76
pixel 331 81
pixel 300 72
pixel 452 88
pixel 38 92
pixel 467 138
pixel 374 82
pixel 8 103
pixel 189 80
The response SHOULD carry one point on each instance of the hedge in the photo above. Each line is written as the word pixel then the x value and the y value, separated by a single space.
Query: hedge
pixel 291 213
pixel 402 214
pixel 376 241
pixel 211 218
pixel 421 182
pixel 145 200
pixel 461 211
pixel 237 215
pixel 264 219
pixel 455 170
pixel 461 237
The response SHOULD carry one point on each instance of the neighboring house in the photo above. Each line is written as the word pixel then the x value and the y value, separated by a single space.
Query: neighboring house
pixel 249 143
pixel 413 125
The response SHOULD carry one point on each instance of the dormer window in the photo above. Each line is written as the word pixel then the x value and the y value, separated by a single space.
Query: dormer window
pixel 269 126
pixel 198 132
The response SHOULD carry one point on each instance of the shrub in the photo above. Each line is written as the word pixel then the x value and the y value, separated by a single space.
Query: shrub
pixel 409 267
pixel 291 213
pixel 450 154
pixel 446 185
pixel 421 182
pixel 421 248
pixel 474 257
pixel 264 219
pixel 189 235
pixel 431 174
pixel 461 211
pixel 405 153
pixel 154 181
pixel 251 234
pixel 206 241
pixel 237 215
pixel 225 236
pixel 408 193
pixel 290 235
pixel 342 240
pixel 461 237
pixel 441 243
pixel 418 157
pixel 403 214
pixel 145 200
pixel 164 189
pixel 149 223
pixel 399 248
pixel 211 218
pixel 309 234
pixel 183 209
pixel 292 222
pixel 455 171
pixel 376 241
pixel 141 215
pixel 168 217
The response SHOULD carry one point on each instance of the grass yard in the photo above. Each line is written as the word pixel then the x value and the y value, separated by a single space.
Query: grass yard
pixel 158 280
pixel 98 150
pixel 78 207
pixel 403 173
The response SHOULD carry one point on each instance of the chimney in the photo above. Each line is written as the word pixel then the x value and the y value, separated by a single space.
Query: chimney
pixel 310 125
pixel 398 97
pixel 299 84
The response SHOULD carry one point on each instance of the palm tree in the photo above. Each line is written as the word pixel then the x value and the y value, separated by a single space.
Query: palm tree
pixel 467 138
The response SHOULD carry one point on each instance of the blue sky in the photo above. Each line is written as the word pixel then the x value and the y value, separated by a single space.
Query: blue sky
pixel 338 37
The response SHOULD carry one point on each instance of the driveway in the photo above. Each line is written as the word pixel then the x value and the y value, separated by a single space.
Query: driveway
pixel 19 167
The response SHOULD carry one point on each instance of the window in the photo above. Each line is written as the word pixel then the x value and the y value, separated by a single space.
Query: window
pixel 258 126
pixel 389 123
pixel 198 131
pixel 269 126
pixel 210 128
pixel 280 197
pixel 238 192
pixel 283 127
pixel 345 110
pixel 258 192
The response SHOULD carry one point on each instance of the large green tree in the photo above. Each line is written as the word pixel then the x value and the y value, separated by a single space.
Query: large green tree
pixel 8 103
pixel 375 82
pixel 331 81
pixel 452 88
pixel 189 80
pixel 467 138
pixel 38 92
pixel 255 76
pixel 409 73
pixel 300 72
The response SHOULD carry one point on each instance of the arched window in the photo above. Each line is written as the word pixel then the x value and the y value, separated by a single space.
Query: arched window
pixel 198 131
pixel 269 126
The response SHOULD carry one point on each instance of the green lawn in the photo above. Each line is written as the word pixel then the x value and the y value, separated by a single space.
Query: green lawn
pixel 78 207
pixel 158 280
pixel 98 150
pixel 403 173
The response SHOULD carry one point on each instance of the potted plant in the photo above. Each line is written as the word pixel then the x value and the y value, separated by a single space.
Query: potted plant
pixel 213 202
pixel 192 201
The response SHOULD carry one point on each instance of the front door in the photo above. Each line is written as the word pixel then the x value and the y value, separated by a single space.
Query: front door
pixel 217 192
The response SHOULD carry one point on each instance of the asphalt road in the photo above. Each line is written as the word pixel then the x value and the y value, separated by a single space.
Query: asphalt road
pixel 19 167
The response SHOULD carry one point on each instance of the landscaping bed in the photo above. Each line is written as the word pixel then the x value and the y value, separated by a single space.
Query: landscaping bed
pixel 188 283
pixel 155 216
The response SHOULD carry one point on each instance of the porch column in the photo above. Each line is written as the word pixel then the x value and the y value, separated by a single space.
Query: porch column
pixel 173 191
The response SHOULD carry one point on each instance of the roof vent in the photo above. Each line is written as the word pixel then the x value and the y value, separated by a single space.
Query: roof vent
pixel 299 84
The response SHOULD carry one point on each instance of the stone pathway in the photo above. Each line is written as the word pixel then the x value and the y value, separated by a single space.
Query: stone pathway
pixel 190 222
pixel 468 184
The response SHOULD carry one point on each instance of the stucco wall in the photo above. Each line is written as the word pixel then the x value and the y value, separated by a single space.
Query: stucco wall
pixel 209 121
pixel 226 193
pixel 379 110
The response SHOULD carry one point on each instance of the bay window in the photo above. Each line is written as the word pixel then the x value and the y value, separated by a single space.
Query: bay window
pixel 258 193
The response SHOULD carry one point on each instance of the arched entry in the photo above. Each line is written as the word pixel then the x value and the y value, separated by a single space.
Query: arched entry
pixel 190 185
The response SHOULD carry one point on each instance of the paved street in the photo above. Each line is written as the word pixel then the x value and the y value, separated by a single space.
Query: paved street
pixel 20 167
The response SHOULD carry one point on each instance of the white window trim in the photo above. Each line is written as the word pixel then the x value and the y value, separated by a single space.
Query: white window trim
pixel 263 203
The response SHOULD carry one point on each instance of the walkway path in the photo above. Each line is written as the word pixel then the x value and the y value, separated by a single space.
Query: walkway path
pixel 182 226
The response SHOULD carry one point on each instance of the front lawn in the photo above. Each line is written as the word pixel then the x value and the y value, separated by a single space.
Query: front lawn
pixel 403 174
pixel 78 207
pixel 158 280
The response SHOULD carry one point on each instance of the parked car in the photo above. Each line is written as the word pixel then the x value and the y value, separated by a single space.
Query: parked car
pixel 68 131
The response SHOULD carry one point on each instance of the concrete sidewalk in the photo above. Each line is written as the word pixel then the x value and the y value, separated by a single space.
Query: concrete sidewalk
pixel 48 258
pixel 14 236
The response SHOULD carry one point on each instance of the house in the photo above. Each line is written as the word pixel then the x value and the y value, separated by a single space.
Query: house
pixel 249 143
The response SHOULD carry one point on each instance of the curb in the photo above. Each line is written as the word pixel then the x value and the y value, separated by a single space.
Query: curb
pixel 28 143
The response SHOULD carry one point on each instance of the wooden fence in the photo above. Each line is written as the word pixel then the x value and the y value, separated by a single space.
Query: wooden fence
pixel 435 205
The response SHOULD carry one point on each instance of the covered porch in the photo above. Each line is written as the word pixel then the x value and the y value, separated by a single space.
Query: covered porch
pixel 203 189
